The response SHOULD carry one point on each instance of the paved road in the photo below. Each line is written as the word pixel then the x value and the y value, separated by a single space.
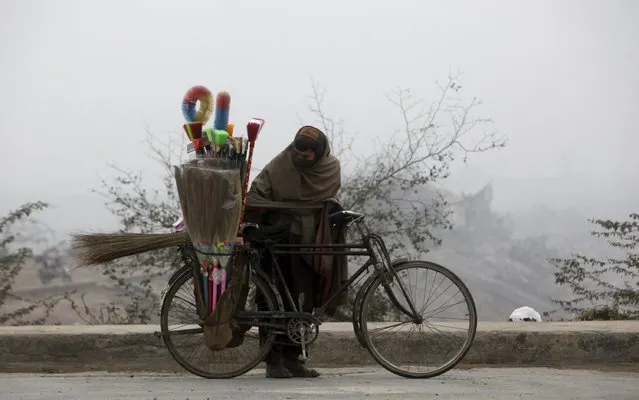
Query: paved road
pixel 516 383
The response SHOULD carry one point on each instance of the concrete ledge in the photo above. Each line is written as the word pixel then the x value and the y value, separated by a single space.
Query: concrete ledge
pixel 65 349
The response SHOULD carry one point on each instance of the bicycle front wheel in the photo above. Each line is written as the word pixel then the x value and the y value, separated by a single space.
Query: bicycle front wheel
pixel 431 344
pixel 184 338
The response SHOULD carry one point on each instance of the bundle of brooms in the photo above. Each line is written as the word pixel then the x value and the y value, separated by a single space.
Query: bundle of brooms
pixel 101 248
pixel 210 192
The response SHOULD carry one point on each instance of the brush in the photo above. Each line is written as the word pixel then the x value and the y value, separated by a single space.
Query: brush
pixel 194 133
pixel 191 98
pixel 221 139
pixel 222 110
pixel 253 128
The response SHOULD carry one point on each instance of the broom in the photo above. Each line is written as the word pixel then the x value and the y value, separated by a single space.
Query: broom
pixel 253 129
pixel 100 248
pixel 94 249
pixel 210 198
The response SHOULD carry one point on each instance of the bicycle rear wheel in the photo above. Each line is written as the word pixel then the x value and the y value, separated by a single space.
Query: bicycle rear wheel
pixel 185 340
pixel 397 341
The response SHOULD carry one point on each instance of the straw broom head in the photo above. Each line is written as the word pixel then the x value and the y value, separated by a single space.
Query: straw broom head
pixel 210 198
pixel 100 248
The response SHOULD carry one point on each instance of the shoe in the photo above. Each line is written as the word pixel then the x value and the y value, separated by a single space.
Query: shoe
pixel 277 371
pixel 298 369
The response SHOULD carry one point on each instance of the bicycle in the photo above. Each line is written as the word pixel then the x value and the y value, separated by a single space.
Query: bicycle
pixel 303 328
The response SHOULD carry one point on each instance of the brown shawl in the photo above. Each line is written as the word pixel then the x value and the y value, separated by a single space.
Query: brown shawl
pixel 304 195
pixel 281 186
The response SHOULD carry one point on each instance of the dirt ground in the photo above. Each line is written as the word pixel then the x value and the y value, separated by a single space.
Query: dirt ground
pixel 98 292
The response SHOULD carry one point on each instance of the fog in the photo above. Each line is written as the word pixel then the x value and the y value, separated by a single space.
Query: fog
pixel 82 82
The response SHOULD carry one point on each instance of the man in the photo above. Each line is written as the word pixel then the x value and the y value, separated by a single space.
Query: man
pixel 292 191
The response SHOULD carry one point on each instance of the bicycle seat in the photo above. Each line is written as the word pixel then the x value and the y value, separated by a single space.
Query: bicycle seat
pixel 344 217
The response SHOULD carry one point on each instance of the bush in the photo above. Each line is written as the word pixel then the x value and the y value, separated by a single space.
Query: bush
pixel 12 261
pixel 608 288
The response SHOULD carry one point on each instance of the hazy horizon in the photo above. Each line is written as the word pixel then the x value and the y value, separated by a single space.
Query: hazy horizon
pixel 81 81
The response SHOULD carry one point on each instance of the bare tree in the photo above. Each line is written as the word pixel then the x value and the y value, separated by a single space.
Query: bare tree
pixel 394 183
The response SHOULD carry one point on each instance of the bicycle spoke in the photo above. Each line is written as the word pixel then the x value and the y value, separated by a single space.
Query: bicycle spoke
pixel 191 350
pixel 436 342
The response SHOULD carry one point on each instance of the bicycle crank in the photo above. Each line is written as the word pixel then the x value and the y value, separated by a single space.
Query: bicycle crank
pixel 303 333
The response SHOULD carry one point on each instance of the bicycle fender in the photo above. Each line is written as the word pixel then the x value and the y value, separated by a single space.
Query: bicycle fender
pixel 178 273
pixel 396 262
pixel 360 294
pixel 359 297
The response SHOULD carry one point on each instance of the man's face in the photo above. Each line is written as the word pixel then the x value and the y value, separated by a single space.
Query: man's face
pixel 306 154
pixel 309 144
pixel 303 158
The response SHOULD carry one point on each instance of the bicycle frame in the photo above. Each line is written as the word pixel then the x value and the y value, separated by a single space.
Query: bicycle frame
pixel 365 247
pixel 302 328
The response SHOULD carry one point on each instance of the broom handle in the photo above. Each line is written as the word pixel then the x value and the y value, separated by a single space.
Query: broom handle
pixel 205 283
pixel 216 274
pixel 211 286
pixel 246 182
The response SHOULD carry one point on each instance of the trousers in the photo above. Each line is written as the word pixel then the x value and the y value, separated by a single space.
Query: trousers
pixel 299 279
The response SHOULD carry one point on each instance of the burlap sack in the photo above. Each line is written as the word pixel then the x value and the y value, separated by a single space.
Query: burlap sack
pixel 219 326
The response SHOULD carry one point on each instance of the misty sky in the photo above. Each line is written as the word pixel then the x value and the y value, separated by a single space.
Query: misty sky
pixel 81 80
